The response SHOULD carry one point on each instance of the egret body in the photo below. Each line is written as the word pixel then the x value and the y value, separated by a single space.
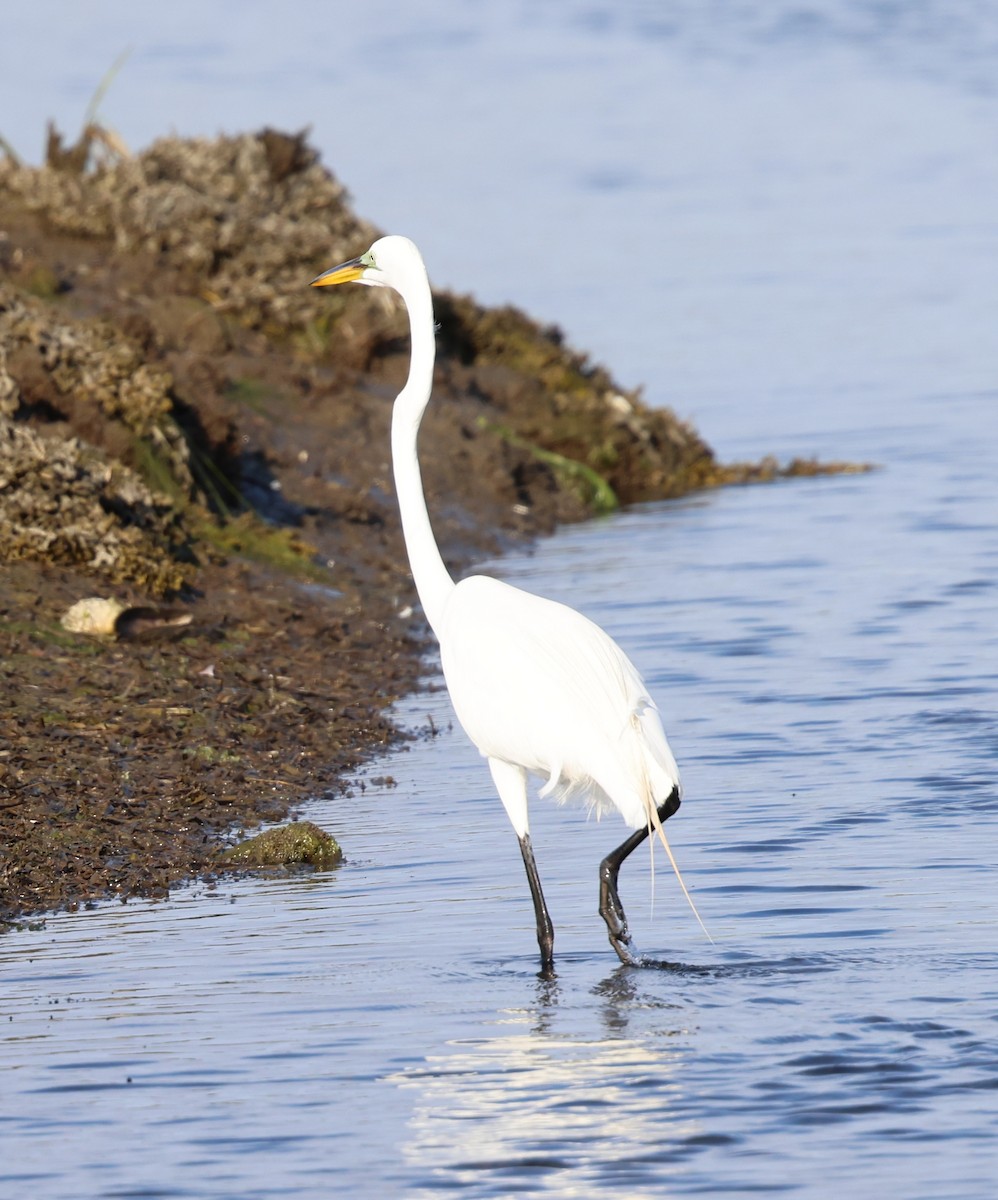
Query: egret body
pixel 540 689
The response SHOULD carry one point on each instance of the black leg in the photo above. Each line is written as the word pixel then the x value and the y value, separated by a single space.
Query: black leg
pixel 610 908
pixel 545 930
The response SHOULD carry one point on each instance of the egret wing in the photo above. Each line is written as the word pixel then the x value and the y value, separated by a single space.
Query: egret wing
pixel 535 683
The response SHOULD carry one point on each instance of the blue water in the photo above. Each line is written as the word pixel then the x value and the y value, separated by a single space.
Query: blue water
pixel 782 219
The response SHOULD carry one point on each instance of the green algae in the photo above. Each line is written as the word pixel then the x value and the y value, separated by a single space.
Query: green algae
pixel 298 842
pixel 594 490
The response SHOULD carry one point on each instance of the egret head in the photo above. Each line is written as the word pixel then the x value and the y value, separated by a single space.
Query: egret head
pixel 388 263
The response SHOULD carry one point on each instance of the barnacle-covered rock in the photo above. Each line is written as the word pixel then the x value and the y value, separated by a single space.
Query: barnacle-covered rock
pixel 245 221
pixel 61 501
pixel 246 217
pixel 88 375
pixel 549 396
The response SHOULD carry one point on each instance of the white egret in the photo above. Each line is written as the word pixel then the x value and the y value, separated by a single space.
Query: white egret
pixel 538 687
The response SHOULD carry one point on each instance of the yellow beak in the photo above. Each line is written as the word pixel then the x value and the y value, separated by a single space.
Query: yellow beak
pixel 346 273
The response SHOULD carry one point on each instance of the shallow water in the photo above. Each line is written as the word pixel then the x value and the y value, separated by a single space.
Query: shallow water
pixel 806 209
pixel 384 1024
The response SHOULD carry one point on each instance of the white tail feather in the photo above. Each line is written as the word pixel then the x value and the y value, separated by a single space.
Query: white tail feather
pixel 655 824
pixel 646 741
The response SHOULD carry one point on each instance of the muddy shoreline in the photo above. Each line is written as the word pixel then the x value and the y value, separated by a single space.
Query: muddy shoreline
pixel 183 423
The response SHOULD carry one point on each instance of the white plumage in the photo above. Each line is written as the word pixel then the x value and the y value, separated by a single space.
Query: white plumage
pixel 537 687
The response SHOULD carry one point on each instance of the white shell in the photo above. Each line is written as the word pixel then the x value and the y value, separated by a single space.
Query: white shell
pixel 94 616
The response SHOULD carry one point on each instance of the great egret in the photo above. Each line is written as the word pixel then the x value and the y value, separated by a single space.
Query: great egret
pixel 538 687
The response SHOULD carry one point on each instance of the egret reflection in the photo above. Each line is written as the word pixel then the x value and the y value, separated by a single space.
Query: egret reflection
pixel 579 1113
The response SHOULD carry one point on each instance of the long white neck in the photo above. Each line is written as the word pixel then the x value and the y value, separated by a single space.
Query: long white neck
pixel 433 582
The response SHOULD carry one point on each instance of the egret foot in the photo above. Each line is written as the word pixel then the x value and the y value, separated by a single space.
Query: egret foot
pixel 610 907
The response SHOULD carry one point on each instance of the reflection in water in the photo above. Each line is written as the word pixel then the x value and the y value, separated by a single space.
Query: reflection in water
pixel 572 1114
pixel 576 1111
